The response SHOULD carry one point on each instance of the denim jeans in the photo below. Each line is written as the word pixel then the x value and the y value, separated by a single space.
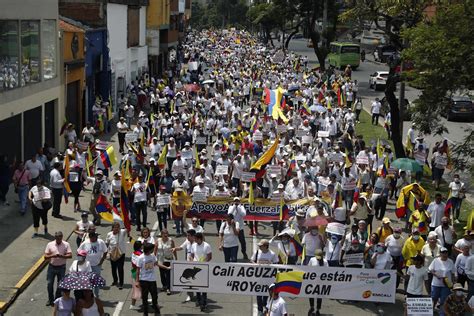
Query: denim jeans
pixel 54 271
pixel 97 270
pixel 230 253
pixel 440 293
pixel 117 266
pixel 179 229
pixel 23 196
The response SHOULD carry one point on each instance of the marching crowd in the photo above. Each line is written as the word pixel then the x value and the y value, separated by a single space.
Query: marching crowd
pixel 234 100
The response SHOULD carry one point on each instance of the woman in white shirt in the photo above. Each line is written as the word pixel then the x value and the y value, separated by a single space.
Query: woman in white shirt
pixel 381 259
pixel 80 264
pixel 443 271
pixel 145 237
pixel 317 261
pixel 116 242
pixel 229 239
pixel 164 250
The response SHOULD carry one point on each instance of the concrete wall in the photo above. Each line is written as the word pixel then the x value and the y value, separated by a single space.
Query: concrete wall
pixel 117 27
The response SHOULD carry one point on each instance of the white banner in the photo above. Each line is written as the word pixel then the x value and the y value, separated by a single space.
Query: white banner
pixel 421 306
pixel 250 279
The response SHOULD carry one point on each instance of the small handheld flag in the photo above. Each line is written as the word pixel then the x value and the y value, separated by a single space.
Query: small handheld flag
pixel 289 282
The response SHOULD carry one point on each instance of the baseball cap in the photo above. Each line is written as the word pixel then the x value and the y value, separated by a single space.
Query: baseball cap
pixel 84 214
pixel 82 253
pixel 385 220
pixel 443 249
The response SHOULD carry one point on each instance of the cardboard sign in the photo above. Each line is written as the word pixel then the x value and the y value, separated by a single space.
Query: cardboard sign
pixel 354 258
pixel 43 195
pixel 281 129
pixel 307 139
pixel 247 176
pixel 336 157
pixel 441 161
pixel 163 200
pixel 258 136
pixel 187 154
pixel 131 137
pixel 301 133
pixel 301 158
pixel 362 160
pixel 201 140
pixel 199 197
pixel 82 145
pixel 101 145
pixel 323 134
pixel 274 169
pixel 420 306
pixel 73 177
pixel 222 170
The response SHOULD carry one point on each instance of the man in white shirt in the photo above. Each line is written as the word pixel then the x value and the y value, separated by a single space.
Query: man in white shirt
pixel 239 213
pixel 56 182
pixel 375 111
pixel 436 211
pixel 294 189
pixel 155 148
pixel 201 251
pixel 122 129
pixel 35 167
pixel 457 190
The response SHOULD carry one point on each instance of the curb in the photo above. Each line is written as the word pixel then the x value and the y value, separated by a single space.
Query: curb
pixel 27 278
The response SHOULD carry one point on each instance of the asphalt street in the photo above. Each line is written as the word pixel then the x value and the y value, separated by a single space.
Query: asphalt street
pixel 32 300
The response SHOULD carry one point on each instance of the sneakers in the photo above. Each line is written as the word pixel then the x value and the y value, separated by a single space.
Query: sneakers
pixel 188 299
pixel 134 308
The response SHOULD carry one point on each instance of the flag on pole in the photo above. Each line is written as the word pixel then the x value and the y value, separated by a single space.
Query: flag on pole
pixel 104 209
pixel 264 160
pixel 89 163
pixel 162 159
pixel 196 155
pixel 66 186
pixel 124 202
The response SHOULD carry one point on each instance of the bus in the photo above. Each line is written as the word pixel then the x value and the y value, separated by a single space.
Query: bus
pixel 343 54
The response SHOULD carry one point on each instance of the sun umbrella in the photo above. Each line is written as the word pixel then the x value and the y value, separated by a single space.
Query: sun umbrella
pixel 81 281
pixel 407 164
pixel 287 231
pixel 192 87
pixel 315 221
pixel 208 81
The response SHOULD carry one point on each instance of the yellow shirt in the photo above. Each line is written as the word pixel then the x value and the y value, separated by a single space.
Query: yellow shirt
pixel 411 249
pixel 384 233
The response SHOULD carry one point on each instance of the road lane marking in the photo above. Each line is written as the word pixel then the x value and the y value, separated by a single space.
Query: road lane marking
pixel 154 229
pixel 118 309
pixel 254 299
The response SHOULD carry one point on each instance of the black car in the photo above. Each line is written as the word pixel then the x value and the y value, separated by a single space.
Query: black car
pixel 406 108
pixel 384 52
pixel 459 108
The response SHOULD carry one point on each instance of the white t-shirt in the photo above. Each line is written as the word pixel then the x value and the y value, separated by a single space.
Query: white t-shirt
pixel 417 278
pixel 120 238
pixel 230 239
pixel 394 246
pixel 383 261
pixel 186 246
pixel 444 235
pixel 140 192
pixel 149 240
pixel 312 242
pixel 315 262
pixel 201 251
pixel 460 264
pixel 436 212
pixel 197 229
pixel 85 267
pixel 95 251
pixel 264 257
pixel 442 269
pixel 34 167
pixel 278 307
pixel 147 267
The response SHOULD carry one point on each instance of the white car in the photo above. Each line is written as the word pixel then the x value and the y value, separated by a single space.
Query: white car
pixel 378 79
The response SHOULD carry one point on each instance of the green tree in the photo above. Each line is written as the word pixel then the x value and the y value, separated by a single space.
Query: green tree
pixel 393 17
pixel 442 53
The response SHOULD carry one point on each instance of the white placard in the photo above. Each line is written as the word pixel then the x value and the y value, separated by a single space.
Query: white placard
pixel 420 306
pixel 101 145
pixel 350 185
pixel 335 157
pixel 274 169
pixel 301 133
pixel 323 134
pixel 73 177
pixel 43 195
pixel 441 161
pixel 336 229
pixel 131 137
pixel 82 145
pixel 199 197
pixel 368 285
pixel 188 154
pixel 354 258
pixel 301 158
pixel 201 140
pixel 247 176
pixel 163 200
pixel 193 66
pixel 281 129
pixel 222 170
pixel 363 160
pixel 258 136
pixel 307 139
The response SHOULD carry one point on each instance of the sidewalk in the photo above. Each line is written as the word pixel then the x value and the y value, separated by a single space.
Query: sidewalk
pixel 21 255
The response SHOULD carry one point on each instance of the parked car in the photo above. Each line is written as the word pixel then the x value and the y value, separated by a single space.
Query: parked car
pixel 384 52
pixel 378 79
pixel 460 108
pixel 406 108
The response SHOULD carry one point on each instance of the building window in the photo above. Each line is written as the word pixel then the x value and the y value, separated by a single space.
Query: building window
pixel 133 27
pixel 48 48
pixel 30 52
pixel 9 55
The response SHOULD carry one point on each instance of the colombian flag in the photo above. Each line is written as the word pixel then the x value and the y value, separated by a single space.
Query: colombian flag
pixel 289 282
pixel 298 246
pixel 449 204
pixel 104 209
pixel 108 157
pixel 260 164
